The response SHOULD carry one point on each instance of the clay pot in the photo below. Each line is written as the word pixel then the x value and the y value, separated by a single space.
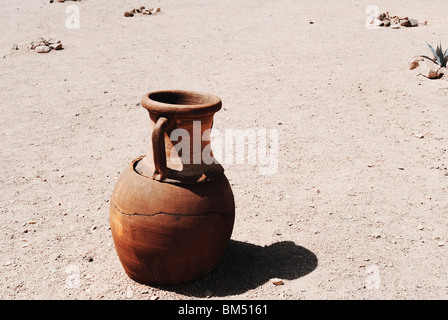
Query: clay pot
pixel 172 214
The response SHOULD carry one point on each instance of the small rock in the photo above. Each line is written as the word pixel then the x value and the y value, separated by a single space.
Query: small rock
pixel 419 135
pixel 415 61
pixel 128 14
pixel 440 243
pixel 56 46
pixel 129 293
pixel 278 282
pixel 405 23
pixel 430 69
pixel 420 227
pixel 400 168
pixel 154 298
pixel 42 49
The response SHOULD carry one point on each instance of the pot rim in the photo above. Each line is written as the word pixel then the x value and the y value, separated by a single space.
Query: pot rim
pixel 181 102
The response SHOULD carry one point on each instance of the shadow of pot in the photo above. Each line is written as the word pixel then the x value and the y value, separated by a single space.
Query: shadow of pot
pixel 246 266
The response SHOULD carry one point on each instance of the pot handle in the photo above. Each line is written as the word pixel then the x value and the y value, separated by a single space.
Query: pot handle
pixel 158 148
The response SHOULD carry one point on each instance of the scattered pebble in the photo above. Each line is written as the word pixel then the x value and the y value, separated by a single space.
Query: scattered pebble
pixel 42 45
pixel 375 235
pixel 415 61
pixel 278 282
pixel 56 46
pixel 430 70
pixel 42 49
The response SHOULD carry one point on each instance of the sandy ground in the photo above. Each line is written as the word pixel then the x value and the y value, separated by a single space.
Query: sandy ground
pixel 357 208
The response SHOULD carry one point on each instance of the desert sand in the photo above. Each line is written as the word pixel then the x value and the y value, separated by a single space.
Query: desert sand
pixel 357 208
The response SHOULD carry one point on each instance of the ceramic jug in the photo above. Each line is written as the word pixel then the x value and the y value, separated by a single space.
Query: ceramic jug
pixel 172 210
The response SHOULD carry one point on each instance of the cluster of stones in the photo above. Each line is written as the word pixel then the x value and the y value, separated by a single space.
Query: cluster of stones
pixel 42 45
pixel 141 10
pixel 51 1
pixel 394 22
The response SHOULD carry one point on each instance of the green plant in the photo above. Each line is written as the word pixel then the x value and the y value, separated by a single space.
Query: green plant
pixel 440 57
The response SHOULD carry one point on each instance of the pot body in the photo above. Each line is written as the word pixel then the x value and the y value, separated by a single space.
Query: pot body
pixel 173 225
